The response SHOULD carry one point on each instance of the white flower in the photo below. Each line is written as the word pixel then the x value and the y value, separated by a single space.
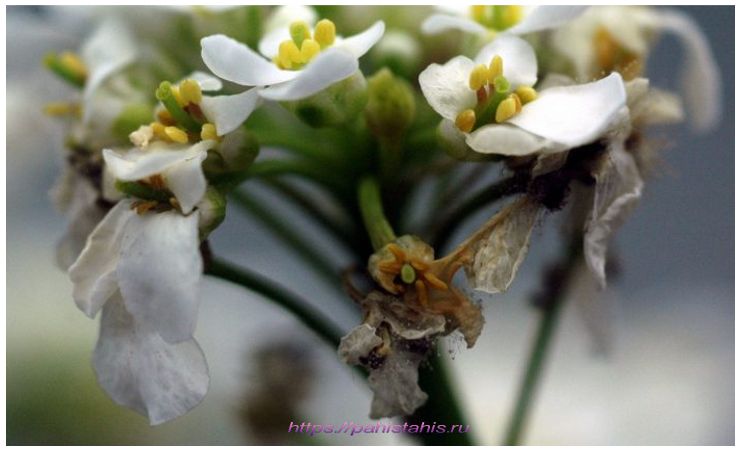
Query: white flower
pixel 472 95
pixel 290 68
pixel 143 271
pixel 511 19
pixel 591 41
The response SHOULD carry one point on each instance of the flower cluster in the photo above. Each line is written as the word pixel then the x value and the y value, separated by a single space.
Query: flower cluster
pixel 557 96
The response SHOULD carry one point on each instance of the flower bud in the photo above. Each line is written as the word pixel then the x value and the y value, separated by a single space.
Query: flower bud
pixel 391 107
pixel 235 153
pixel 398 51
pixel 338 104
pixel 212 211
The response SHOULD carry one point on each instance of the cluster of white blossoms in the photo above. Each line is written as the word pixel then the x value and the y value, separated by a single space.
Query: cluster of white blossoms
pixel 558 94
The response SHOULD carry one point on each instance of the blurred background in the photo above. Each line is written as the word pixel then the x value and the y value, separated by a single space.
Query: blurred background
pixel 651 363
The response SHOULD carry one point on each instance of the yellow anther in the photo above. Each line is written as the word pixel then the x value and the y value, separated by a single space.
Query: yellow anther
pixel 158 130
pixel 178 96
pixel 208 132
pixel 526 94
pixel 73 62
pixel 478 13
pixel 495 69
pixel 309 49
pixel 61 109
pixel 299 31
pixel 518 102
pixel 325 33
pixel 289 55
pixel 478 77
pixel 190 91
pixel 512 15
pixel 176 135
pixel 506 110
pixel 465 121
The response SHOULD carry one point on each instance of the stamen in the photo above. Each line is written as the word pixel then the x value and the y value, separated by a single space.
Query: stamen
pixel 389 267
pixel 506 110
pixel 289 55
pixel 526 94
pixel 309 49
pixel 299 31
pixel 435 281
pixel 165 117
pixel 143 206
pixel 59 109
pixel 190 91
pixel 418 265
pixel 325 33
pixel 208 132
pixel 408 274
pixel 178 96
pixel 158 130
pixel 176 135
pixel 517 101
pixel 478 13
pixel 421 290
pixel 465 121
pixel 73 63
pixel 397 251
pixel 478 77
pixel 495 69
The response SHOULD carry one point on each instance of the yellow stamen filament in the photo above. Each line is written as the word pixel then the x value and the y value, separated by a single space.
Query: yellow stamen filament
pixel 325 32
pixel 465 121
pixel 478 77
pixel 190 91
pixel 144 206
pixel 208 132
pixel 397 252
pixel 421 290
pixel 526 94
pixel 73 62
pixel 165 117
pixel 495 69
pixel 435 281
pixel 420 266
pixel 389 267
pixel 506 110
pixel 159 132
pixel 176 135
pixel 309 49
pixel 61 109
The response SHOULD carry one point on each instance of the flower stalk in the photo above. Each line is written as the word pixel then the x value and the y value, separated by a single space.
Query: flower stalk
pixel 371 207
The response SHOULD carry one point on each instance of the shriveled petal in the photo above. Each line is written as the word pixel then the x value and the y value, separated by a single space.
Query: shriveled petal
pixel 701 82
pixel 235 62
pixel 520 62
pixel 361 43
pixel 546 17
pixel 138 164
pixel 110 48
pixel 187 182
pixel 207 82
pixel 446 87
pixel 438 23
pixel 228 112
pixel 574 115
pixel 499 247
pixel 618 188
pixel 503 139
pixel 357 344
pixel 94 275
pixel 396 385
pixel 159 272
pixel 329 67
pixel 141 371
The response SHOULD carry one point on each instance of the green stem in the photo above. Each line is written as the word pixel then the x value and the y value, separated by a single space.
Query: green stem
pixel 311 318
pixel 371 207
pixel 288 235
pixel 556 287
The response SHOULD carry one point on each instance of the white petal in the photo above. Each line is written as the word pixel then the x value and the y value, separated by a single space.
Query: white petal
pixel 234 61
pixel 700 79
pixel 357 344
pixel 546 17
pixel 159 272
pixel 508 140
pixel 329 67
pixel 207 82
pixel 395 385
pixel 228 112
pixel 138 164
pixel 269 45
pixel 84 221
pixel 618 188
pixel 438 23
pixel 94 273
pixel 110 48
pixel 500 247
pixel 574 115
pixel 141 371
pixel 520 62
pixel 446 87
pixel 186 181
pixel 360 43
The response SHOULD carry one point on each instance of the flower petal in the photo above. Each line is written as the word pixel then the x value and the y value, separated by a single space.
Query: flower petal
pixel 207 82
pixel 395 384
pixel 438 23
pixel 228 112
pixel 159 273
pixel 234 61
pixel 503 139
pixel 141 371
pixel 186 181
pixel 269 45
pixel 329 67
pixel 446 87
pixel 520 62
pixel 138 164
pixel 94 273
pixel 574 115
pixel 700 79
pixel 84 220
pixel 546 17
pixel 618 188
pixel 360 43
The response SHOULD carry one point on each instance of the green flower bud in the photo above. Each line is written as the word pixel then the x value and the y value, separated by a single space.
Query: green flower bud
pixel 398 51
pixel 234 154
pixel 391 107
pixel 338 104
pixel 212 211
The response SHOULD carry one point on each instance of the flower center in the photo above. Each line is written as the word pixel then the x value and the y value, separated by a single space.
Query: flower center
pixel 611 56
pixel 497 18
pixel 497 101
pixel 302 46
pixel 412 272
